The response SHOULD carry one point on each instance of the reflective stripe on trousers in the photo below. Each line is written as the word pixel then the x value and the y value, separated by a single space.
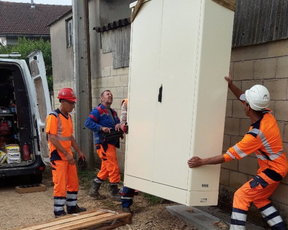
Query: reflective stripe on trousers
pixel 257 191
pixel 59 203
pixel 272 217
pixel 71 198
pixel 238 219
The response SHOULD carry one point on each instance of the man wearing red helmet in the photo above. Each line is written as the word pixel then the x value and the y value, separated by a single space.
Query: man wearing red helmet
pixel 59 129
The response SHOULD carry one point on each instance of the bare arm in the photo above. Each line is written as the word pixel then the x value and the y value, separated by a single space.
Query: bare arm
pixel 234 89
pixel 56 143
pixel 197 161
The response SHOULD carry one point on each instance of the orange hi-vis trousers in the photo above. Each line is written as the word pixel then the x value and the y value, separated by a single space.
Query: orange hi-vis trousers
pixel 65 178
pixel 66 185
pixel 109 163
pixel 257 191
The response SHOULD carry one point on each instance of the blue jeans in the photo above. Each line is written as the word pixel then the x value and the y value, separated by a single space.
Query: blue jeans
pixel 127 195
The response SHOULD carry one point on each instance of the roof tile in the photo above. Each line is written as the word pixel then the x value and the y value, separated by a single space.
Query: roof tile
pixel 22 19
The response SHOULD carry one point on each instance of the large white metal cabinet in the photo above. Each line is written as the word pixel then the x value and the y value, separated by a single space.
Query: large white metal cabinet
pixel 180 53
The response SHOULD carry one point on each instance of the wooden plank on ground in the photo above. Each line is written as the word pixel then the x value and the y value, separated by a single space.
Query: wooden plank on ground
pixel 84 222
pixel 62 220
pixel 102 219
pixel 30 188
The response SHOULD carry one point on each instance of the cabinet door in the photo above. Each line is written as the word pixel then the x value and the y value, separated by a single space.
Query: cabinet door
pixel 174 56
pixel 179 53
pixel 217 23
pixel 143 91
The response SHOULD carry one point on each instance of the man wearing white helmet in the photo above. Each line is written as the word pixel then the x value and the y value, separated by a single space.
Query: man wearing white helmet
pixel 263 138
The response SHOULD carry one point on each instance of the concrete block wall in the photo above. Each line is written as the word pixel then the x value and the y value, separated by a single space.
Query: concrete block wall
pixel 57 85
pixel 116 80
pixel 262 64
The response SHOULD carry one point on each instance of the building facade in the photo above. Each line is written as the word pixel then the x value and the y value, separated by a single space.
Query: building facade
pixel 259 55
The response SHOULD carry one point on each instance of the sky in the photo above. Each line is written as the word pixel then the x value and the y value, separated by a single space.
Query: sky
pixel 51 2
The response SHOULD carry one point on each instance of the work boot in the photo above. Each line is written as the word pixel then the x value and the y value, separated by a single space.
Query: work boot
pixel 126 209
pixel 94 191
pixel 114 192
pixel 60 214
pixel 75 209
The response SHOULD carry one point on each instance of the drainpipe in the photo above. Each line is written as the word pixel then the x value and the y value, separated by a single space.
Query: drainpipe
pixel 82 76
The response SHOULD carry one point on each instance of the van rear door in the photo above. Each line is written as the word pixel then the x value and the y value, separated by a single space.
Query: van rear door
pixel 42 97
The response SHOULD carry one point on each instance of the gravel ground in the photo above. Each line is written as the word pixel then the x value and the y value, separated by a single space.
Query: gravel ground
pixel 19 210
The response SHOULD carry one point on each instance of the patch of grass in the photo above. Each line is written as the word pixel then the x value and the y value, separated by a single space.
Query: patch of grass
pixel 153 199
pixel 85 177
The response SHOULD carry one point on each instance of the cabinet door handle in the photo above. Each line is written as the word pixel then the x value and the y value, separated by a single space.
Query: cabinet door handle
pixel 160 94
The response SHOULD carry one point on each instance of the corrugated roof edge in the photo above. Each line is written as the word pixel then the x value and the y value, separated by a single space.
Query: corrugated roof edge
pixel 113 25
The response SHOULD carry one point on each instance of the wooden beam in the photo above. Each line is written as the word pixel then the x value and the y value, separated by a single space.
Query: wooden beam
pixel 136 9
pixel 30 188
pixel 97 219
pixel 229 4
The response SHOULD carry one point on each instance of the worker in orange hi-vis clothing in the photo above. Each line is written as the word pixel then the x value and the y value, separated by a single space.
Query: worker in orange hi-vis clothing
pixel 59 129
pixel 264 139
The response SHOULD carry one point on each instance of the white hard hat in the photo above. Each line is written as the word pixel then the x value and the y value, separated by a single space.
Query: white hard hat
pixel 258 97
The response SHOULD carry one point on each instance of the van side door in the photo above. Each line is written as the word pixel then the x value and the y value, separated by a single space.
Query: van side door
pixel 38 74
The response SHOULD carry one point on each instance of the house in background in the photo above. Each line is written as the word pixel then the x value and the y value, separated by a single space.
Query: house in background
pixel 61 38
pixel 107 27
pixel 259 55
pixel 27 20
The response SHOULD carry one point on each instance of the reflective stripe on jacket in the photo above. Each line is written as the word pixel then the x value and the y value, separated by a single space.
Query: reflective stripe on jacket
pixel 263 139
pixel 62 127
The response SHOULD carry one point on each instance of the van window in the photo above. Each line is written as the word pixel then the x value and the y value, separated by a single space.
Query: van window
pixel 40 97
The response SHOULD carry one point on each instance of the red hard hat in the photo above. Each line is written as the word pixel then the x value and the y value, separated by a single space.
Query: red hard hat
pixel 67 94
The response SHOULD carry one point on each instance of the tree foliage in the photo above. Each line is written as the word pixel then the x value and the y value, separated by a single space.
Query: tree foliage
pixel 27 46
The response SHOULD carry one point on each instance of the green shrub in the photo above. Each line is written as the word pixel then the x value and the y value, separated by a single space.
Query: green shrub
pixel 27 46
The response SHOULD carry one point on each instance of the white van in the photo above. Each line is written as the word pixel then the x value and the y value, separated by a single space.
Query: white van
pixel 24 104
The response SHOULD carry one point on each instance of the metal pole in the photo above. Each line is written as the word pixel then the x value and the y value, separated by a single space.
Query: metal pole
pixel 82 74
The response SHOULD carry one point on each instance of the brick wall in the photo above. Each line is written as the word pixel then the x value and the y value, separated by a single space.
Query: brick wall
pixel 268 65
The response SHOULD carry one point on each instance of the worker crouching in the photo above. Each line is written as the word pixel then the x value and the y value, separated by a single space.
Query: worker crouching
pixel 263 138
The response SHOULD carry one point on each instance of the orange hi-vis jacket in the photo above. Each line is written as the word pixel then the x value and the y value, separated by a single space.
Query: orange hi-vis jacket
pixel 61 126
pixel 263 139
